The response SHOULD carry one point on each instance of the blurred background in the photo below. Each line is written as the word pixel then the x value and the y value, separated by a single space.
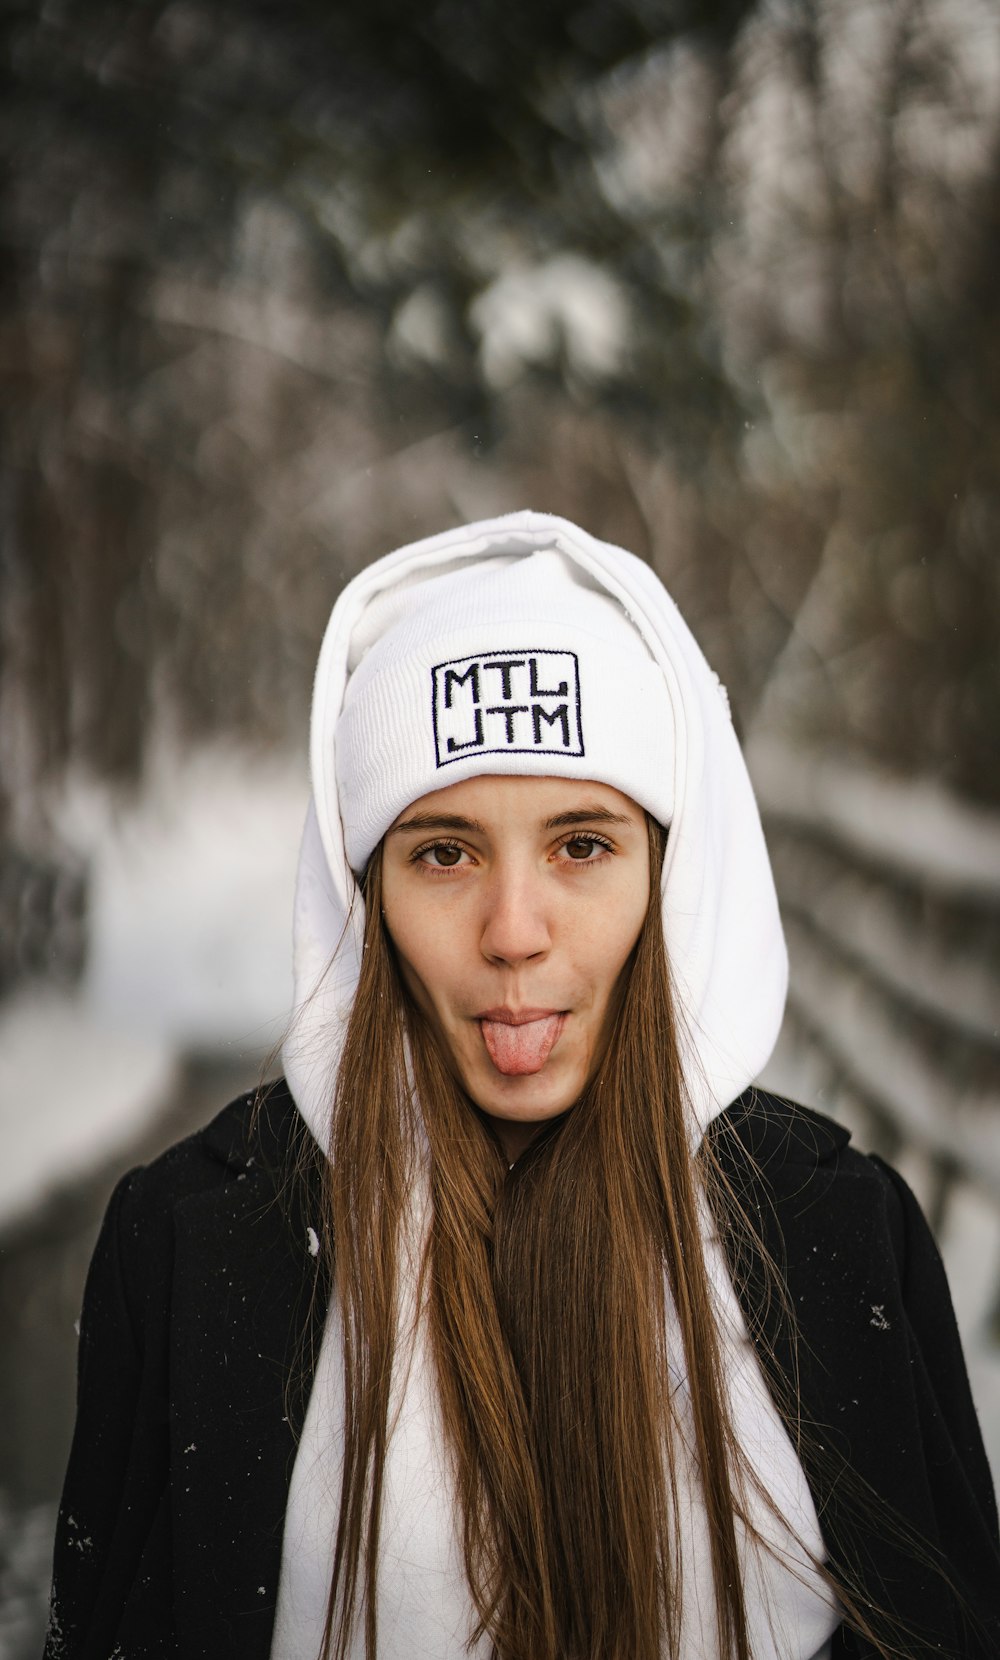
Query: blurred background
pixel 287 285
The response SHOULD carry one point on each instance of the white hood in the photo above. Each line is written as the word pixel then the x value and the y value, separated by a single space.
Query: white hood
pixel 720 911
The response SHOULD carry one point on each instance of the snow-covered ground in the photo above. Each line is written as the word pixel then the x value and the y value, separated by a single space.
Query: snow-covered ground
pixel 189 950
pixel 191 898
pixel 72 1088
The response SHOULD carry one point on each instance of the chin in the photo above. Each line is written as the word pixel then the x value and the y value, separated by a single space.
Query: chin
pixel 525 1100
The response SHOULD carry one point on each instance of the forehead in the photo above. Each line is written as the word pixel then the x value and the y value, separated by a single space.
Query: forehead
pixel 493 800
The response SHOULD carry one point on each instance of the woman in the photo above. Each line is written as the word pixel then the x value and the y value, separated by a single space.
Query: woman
pixel 515 1321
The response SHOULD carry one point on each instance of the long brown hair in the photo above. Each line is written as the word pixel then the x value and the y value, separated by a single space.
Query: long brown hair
pixel 543 1285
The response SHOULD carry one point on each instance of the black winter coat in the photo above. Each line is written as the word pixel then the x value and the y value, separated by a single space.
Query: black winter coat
pixel 204 1309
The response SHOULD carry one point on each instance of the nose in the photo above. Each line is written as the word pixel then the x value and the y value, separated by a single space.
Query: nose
pixel 516 921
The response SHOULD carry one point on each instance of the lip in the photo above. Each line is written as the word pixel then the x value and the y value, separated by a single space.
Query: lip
pixel 516 1017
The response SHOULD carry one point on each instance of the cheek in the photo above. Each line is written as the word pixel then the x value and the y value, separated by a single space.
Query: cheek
pixel 622 923
pixel 423 982
pixel 618 945
pixel 427 962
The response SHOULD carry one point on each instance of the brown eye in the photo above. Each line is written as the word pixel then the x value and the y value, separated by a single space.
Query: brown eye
pixel 446 857
pixel 580 848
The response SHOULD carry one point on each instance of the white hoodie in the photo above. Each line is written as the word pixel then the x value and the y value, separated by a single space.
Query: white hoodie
pixel 727 955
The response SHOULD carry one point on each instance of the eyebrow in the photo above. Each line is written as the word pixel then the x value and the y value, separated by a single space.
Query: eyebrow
pixel 561 821
pixel 586 815
pixel 437 821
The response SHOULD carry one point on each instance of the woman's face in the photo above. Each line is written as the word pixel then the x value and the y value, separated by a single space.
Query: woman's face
pixel 514 904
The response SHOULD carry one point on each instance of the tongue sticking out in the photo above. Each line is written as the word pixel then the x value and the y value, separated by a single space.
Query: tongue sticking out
pixel 516 1050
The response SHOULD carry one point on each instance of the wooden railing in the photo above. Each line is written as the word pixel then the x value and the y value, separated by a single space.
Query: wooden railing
pixel 890 892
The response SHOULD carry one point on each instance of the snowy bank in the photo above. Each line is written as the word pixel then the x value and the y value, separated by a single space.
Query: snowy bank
pixel 188 950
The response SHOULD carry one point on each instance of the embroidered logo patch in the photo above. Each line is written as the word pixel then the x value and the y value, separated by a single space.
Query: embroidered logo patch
pixel 507 703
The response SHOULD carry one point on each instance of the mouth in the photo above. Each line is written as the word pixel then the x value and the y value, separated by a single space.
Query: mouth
pixel 520 1041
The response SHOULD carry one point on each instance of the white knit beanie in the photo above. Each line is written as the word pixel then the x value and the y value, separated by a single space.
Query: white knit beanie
pixel 520 666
